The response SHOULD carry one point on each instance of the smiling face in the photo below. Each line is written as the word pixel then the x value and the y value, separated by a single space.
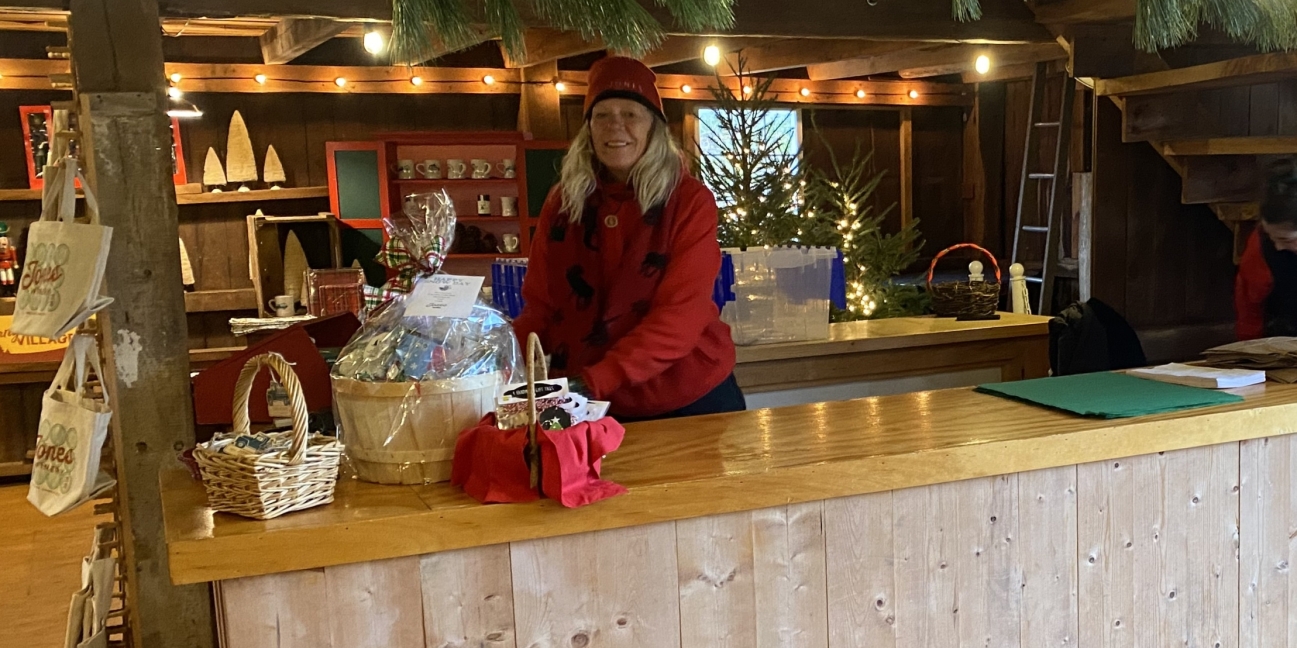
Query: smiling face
pixel 619 131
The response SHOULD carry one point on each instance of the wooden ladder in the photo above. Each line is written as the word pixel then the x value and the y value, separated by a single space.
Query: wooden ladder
pixel 1046 271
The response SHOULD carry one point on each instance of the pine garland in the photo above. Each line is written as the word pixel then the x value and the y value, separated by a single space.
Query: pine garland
pixel 1162 24
pixel 420 27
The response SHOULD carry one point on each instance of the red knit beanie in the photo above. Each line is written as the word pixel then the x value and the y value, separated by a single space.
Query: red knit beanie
pixel 623 78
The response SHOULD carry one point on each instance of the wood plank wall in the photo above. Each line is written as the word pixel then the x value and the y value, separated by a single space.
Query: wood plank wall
pixel 1185 548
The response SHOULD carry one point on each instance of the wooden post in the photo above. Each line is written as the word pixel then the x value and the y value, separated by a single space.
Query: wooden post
pixel 974 177
pixel 1110 207
pixel 907 166
pixel 117 54
pixel 538 109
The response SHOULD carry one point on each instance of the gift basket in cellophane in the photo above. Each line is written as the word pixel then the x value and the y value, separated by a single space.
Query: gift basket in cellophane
pixel 407 383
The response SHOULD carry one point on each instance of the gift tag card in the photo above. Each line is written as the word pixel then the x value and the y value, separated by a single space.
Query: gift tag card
pixel 443 296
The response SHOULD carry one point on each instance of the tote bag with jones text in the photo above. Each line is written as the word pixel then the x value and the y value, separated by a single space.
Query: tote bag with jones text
pixel 64 266
pixel 73 428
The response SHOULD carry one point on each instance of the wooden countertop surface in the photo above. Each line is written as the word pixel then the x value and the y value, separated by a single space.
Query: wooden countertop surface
pixel 897 333
pixel 706 466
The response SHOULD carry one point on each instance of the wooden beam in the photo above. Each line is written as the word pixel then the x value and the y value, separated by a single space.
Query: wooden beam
pixel 1235 212
pixel 117 47
pixel 1179 116
pixel 1249 70
pixel 1110 215
pixel 678 49
pixel 1101 51
pixel 877 93
pixel 1003 21
pixel 907 166
pixel 545 45
pixel 974 177
pixel 1223 178
pixel 963 59
pixel 539 112
pixel 1014 72
pixel 932 60
pixel 293 37
pixel 1269 145
pixel 774 55
pixel 1082 11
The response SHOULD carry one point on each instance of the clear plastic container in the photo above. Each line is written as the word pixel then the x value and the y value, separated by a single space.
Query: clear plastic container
pixel 781 294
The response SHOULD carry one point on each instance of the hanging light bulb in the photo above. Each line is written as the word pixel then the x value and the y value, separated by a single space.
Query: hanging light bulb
pixel 174 92
pixel 860 94
pixel 982 64
pixel 560 86
pixel 712 55
pixel 805 92
pixel 340 82
pixel 416 80
pixel 914 94
pixel 260 78
pixel 747 89
pixel 176 77
pixel 686 88
pixel 374 42
pixel 488 79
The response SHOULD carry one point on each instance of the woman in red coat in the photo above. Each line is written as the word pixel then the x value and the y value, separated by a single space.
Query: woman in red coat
pixel 1265 292
pixel 622 265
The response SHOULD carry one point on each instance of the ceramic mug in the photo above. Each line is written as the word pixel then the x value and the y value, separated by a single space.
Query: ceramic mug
pixel 282 305
pixel 508 206
pixel 455 169
pixel 508 168
pixel 481 169
pixel 430 169
pixel 510 244
pixel 405 169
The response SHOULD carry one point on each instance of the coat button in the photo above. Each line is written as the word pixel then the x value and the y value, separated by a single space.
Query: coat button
pixel 610 220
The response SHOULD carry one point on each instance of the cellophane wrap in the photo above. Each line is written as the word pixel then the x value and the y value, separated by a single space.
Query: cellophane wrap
pixel 404 387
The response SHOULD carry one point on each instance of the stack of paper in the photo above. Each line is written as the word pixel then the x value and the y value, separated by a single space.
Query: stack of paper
pixel 1207 377
pixel 1277 355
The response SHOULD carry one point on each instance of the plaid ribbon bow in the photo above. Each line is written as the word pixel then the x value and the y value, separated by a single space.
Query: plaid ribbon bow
pixel 394 256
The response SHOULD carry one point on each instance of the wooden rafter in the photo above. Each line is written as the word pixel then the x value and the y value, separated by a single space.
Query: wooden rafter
pixel 877 93
pixel 1249 70
pixel 1084 11
pixel 1267 145
pixel 545 45
pixel 293 37
pixel 772 55
pixel 678 49
pixel 932 60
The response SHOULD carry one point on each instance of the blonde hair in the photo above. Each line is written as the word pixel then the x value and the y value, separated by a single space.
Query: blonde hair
pixel 654 176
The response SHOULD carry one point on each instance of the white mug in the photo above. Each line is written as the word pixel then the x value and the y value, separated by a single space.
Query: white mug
pixel 282 305
pixel 508 206
pixel 405 169
pixel 481 169
pixel 430 169
pixel 510 245
pixel 455 169
pixel 508 168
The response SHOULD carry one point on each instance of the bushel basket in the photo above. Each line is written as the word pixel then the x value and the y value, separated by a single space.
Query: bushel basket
pixel 966 300
pixel 266 485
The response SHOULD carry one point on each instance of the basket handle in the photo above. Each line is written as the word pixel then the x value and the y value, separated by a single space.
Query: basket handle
pixel 535 358
pixel 933 266
pixel 243 391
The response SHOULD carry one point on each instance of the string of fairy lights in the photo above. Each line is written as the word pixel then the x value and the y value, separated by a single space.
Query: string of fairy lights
pixel 374 43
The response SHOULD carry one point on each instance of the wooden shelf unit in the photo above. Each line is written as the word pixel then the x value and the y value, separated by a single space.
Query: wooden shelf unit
pixel 256 195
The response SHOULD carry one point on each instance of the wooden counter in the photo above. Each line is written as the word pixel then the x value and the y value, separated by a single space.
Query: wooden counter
pixel 892 356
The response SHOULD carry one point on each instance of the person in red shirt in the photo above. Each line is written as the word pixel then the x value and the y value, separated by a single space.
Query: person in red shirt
pixel 619 283
pixel 1265 290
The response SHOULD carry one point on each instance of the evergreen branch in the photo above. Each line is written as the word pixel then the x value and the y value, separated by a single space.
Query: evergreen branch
pixel 504 20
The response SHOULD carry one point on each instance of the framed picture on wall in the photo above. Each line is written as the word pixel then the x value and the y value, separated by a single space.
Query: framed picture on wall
pixel 37 122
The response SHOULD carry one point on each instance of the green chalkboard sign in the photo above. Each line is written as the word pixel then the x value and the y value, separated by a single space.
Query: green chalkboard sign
pixel 542 173
pixel 359 179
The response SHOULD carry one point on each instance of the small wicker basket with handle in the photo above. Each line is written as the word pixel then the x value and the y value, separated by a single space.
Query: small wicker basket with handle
pixel 264 486
pixel 965 299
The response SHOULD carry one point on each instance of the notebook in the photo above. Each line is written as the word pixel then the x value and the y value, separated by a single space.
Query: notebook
pixel 1109 395
pixel 1205 377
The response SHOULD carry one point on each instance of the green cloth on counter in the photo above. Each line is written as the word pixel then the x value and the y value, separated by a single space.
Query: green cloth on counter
pixel 1109 395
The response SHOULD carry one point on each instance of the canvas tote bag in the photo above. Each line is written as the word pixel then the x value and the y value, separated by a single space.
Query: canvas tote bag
pixel 73 428
pixel 65 262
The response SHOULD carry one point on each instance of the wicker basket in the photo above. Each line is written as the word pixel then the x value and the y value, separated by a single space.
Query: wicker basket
pixel 966 300
pixel 404 432
pixel 264 486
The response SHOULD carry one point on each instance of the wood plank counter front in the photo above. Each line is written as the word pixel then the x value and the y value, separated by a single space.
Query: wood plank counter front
pixel 944 518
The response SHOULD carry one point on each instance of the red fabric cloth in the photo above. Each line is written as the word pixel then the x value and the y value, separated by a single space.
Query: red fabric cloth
pixel 490 463
pixel 620 76
pixel 623 299
pixel 1252 288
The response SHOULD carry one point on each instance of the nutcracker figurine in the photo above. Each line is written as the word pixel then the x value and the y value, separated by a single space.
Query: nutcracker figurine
pixel 8 262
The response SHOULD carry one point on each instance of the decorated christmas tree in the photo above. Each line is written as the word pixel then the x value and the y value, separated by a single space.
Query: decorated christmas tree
pixel 768 195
